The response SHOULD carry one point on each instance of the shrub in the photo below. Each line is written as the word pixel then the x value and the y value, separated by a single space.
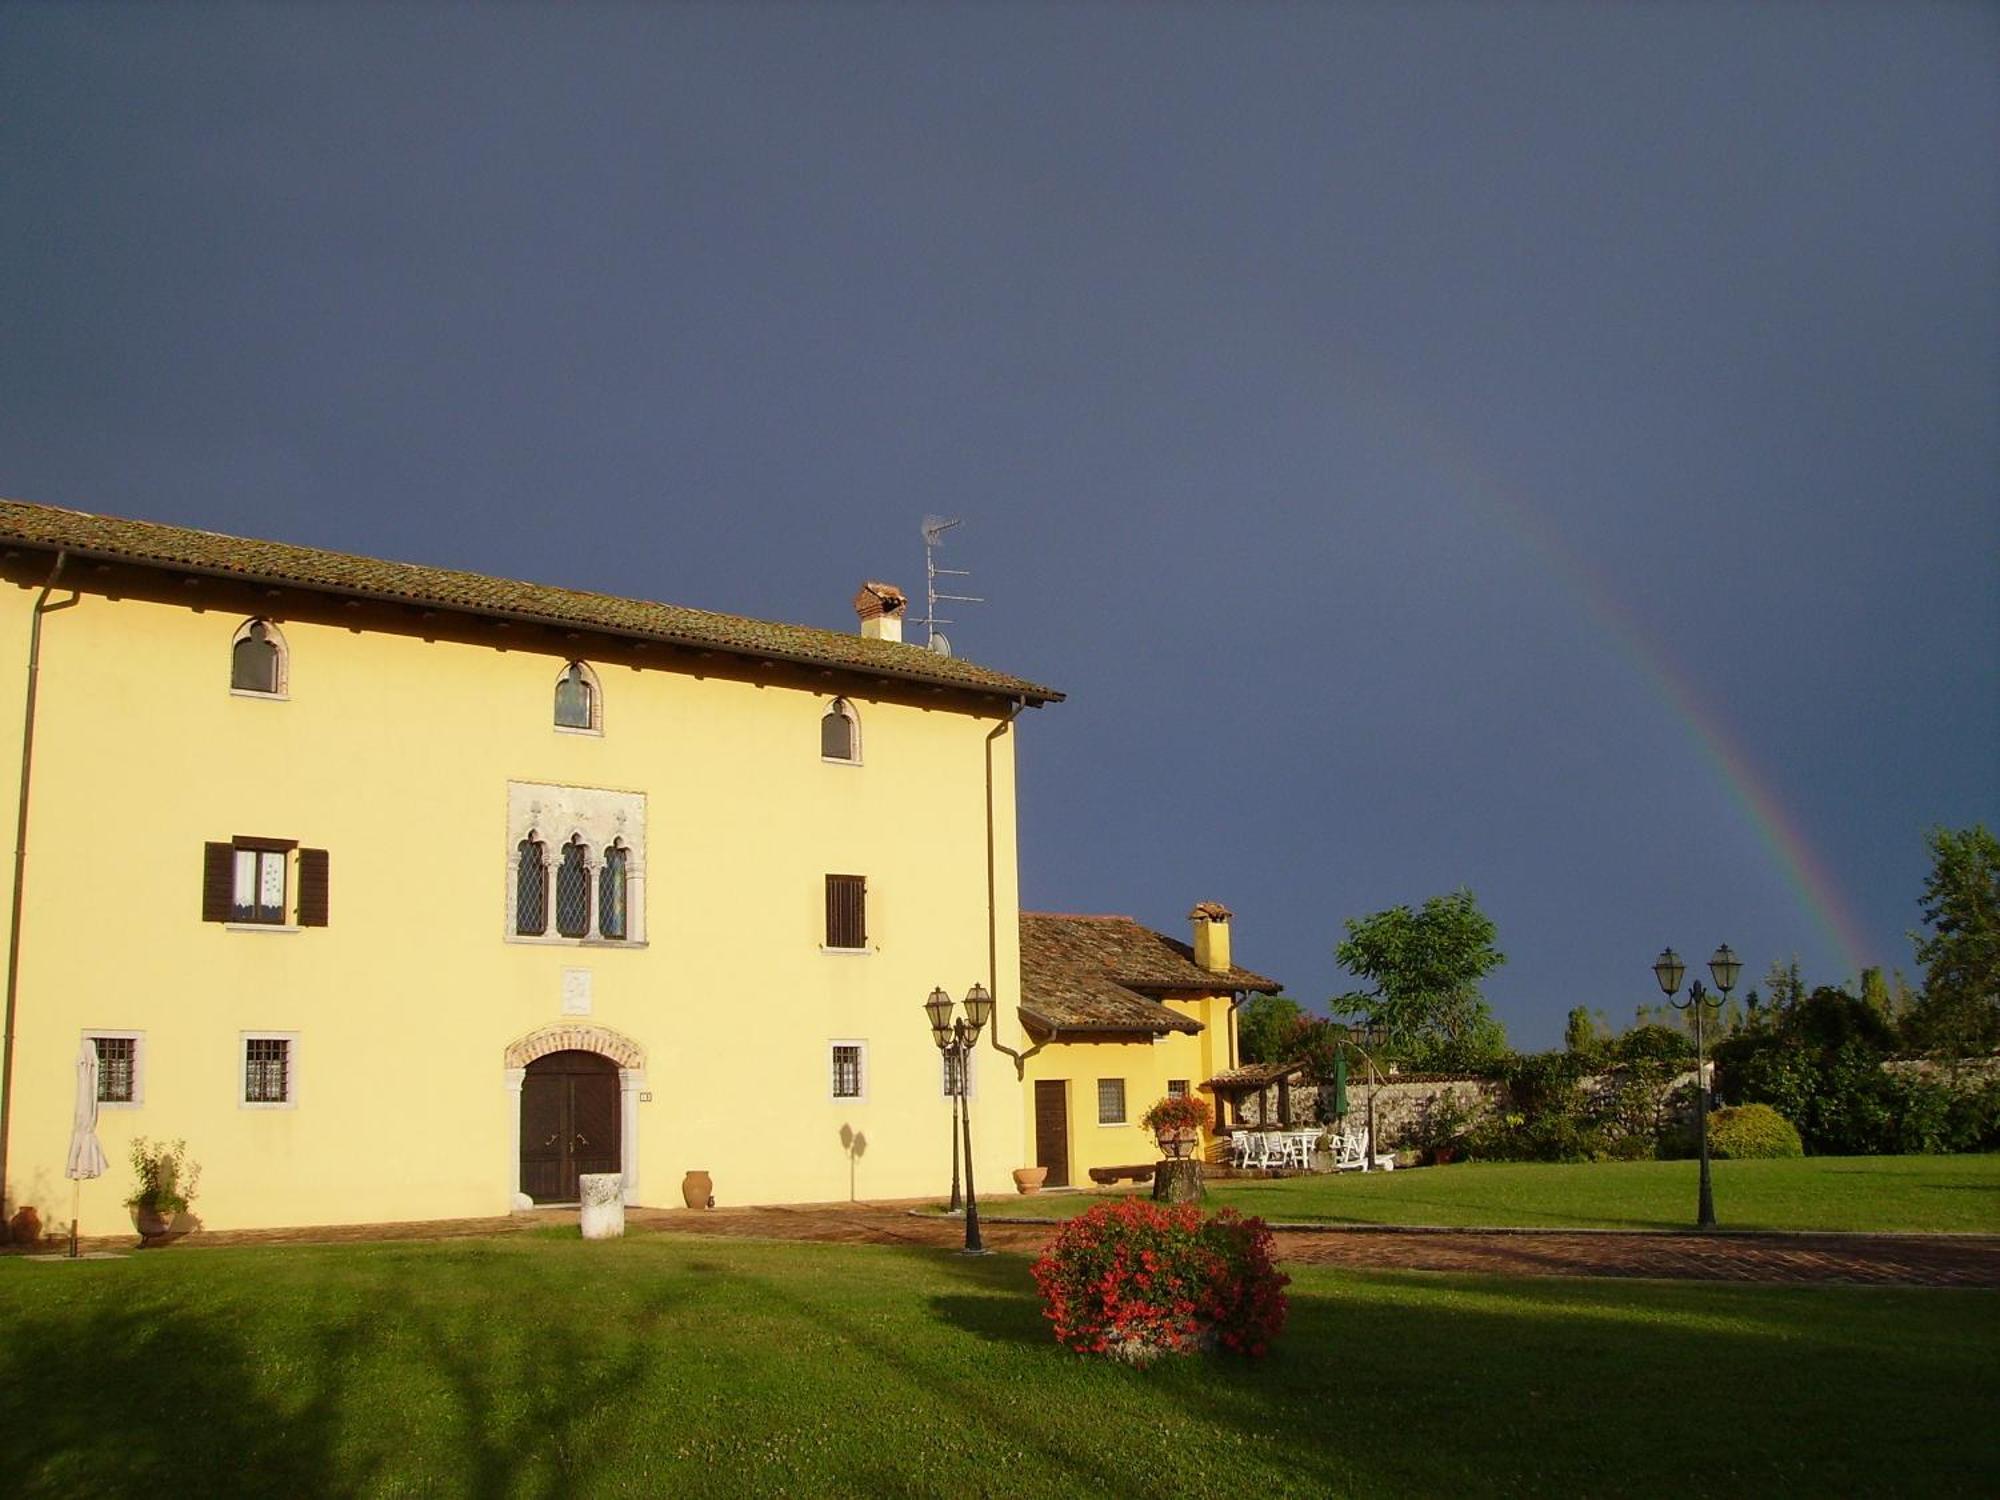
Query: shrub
pixel 1135 1280
pixel 1176 1112
pixel 165 1179
pixel 1752 1132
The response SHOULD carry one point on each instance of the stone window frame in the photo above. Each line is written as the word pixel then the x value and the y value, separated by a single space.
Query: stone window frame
pixel 556 815
pixel 842 708
pixel 94 1034
pixel 587 675
pixel 283 675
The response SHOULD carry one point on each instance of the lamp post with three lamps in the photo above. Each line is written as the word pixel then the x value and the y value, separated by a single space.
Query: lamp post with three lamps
pixel 1723 967
pixel 955 1040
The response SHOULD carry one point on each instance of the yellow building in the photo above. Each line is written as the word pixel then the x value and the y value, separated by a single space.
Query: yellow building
pixel 403 893
pixel 1121 1017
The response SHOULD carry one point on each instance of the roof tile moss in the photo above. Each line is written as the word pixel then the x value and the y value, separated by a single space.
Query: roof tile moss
pixel 154 544
pixel 1106 974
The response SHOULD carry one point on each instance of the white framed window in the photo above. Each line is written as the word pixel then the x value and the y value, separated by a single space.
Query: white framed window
pixel 1177 1088
pixel 260 664
pixel 840 734
pixel 1111 1101
pixel 579 700
pixel 121 1068
pixel 958 1074
pixel 847 1067
pixel 268 1070
pixel 576 865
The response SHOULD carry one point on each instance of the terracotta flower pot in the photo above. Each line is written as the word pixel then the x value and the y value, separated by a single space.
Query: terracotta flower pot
pixel 152 1223
pixel 1177 1145
pixel 1029 1179
pixel 697 1190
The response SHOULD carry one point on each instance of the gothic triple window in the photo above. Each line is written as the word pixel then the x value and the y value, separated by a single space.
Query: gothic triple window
pixel 575 864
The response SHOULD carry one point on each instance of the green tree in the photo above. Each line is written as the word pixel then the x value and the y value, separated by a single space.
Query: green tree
pixel 1784 985
pixel 1264 1027
pixel 1580 1034
pixel 1423 970
pixel 1875 992
pixel 1960 1008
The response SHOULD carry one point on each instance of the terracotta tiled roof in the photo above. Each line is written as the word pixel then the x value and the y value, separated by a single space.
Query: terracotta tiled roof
pixel 1104 974
pixel 183 549
pixel 1255 1075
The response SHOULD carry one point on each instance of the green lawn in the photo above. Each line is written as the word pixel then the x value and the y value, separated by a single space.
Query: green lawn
pixel 537 1364
pixel 1930 1193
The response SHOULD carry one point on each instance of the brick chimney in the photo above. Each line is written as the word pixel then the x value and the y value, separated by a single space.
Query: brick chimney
pixel 880 606
pixel 1211 936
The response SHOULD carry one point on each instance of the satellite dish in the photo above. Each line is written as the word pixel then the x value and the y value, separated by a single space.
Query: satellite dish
pixel 940 643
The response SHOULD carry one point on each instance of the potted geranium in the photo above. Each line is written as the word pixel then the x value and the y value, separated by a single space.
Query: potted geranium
pixel 166 1185
pixel 1176 1122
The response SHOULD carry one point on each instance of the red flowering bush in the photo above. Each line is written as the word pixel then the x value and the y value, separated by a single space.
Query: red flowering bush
pixel 1135 1280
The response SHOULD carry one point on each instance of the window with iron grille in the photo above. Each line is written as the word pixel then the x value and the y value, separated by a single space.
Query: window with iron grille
pixel 1111 1101
pixel 531 888
pixel 839 733
pixel 267 1070
pixel 846 911
pixel 847 1070
pixel 1177 1088
pixel 573 891
pixel 117 1069
pixel 611 893
pixel 960 1077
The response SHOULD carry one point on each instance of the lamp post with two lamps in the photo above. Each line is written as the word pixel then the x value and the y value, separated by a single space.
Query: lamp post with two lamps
pixel 1723 967
pixel 955 1040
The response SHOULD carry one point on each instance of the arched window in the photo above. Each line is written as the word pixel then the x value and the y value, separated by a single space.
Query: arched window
pixel 531 888
pixel 573 890
pixel 611 892
pixel 257 659
pixel 840 732
pixel 579 705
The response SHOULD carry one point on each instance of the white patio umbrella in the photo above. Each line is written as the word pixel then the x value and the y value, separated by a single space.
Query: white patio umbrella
pixel 86 1157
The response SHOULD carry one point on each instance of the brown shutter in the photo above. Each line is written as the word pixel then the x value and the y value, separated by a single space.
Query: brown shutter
pixel 312 888
pixel 846 911
pixel 218 881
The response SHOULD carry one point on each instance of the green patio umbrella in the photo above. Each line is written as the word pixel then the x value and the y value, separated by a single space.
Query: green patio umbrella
pixel 1340 1085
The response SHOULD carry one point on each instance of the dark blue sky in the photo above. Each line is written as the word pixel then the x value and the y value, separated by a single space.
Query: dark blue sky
pixel 1366 413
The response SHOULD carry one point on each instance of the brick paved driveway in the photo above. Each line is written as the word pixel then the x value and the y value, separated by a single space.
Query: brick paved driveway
pixel 1880 1259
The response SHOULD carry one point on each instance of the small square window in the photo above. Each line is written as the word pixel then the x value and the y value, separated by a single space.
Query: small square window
pixel 847 1070
pixel 270 1077
pixel 259 894
pixel 1177 1088
pixel 120 1064
pixel 1111 1101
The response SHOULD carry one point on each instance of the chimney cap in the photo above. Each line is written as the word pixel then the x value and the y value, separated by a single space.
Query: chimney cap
pixel 876 599
pixel 1210 911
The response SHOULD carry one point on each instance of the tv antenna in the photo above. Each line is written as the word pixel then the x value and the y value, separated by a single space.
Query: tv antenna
pixel 934 529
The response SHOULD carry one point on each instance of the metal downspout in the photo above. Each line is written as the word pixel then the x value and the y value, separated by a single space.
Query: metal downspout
pixel 21 866
pixel 993 904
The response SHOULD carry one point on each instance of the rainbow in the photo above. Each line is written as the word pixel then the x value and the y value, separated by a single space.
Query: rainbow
pixel 1805 872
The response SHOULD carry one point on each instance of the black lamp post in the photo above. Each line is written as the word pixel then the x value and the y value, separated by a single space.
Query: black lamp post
pixel 955 1040
pixel 1723 967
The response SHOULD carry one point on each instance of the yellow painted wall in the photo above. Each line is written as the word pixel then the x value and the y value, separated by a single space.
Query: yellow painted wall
pixel 394 753
pixel 1146 1065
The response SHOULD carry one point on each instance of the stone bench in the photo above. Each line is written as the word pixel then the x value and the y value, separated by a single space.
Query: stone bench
pixel 1105 1176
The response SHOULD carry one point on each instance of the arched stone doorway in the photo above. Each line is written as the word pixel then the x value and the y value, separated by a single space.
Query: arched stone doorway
pixel 574 1092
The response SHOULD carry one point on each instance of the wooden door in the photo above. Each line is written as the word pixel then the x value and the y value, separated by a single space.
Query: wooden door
pixel 569 1124
pixel 1052 1130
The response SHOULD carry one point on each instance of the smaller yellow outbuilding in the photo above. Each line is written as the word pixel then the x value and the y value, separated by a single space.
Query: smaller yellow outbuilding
pixel 1120 1017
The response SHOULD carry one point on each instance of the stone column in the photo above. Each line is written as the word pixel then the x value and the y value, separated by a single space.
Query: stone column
pixel 515 1077
pixel 630 1081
